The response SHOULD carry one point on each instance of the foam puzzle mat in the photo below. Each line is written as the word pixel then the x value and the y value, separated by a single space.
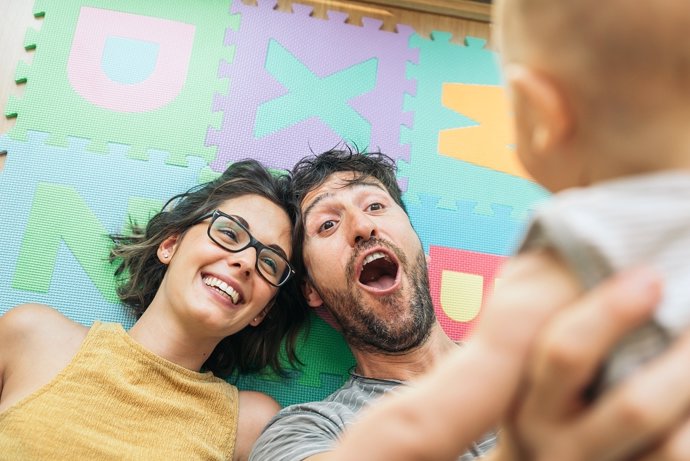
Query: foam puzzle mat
pixel 128 103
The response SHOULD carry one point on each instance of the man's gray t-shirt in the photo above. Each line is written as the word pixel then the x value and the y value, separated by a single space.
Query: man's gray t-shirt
pixel 306 429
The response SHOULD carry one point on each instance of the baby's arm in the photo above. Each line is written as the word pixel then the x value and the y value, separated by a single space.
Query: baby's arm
pixel 467 392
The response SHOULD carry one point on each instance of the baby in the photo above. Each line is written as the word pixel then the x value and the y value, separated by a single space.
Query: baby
pixel 600 93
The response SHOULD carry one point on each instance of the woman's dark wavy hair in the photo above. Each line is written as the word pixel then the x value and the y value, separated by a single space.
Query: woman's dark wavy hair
pixel 312 171
pixel 139 273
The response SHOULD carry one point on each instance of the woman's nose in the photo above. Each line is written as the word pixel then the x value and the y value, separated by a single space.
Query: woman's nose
pixel 245 260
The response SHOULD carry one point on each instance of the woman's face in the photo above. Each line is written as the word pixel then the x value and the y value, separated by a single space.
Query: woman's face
pixel 215 290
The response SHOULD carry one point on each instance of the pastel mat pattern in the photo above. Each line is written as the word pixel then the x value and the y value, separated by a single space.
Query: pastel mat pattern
pixel 127 103
pixel 290 92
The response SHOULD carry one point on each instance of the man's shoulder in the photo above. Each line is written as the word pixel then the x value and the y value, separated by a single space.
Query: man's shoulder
pixel 317 407
pixel 305 429
pixel 302 430
pixel 342 404
pixel 332 408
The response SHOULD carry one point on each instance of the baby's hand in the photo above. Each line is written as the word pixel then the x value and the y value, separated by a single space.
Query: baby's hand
pixel 530 288
pixel 551 420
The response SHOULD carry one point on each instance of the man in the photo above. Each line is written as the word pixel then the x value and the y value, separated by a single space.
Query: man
pixel 592 99
pixel 364 264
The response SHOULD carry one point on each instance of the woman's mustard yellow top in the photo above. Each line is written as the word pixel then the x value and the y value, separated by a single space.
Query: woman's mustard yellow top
pixel 117 400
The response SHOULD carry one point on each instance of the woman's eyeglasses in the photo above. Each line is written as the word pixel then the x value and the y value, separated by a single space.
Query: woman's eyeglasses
pixel 231 235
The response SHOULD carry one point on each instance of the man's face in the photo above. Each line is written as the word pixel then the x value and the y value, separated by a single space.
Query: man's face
pixel 366 265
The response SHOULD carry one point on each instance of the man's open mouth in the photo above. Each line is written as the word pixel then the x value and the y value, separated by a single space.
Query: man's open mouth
pixel 379 271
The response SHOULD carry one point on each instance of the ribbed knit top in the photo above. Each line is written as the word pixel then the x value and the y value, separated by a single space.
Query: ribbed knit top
pixel 118 400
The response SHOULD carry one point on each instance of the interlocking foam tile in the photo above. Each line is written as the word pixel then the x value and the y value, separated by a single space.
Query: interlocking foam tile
pixel 496 233
pixel 327 361
pixel 59 205
pixel 490 142
pixel 143 76
pixel 299 83
pixel 460 282
pixel 127 103
pixel 430 172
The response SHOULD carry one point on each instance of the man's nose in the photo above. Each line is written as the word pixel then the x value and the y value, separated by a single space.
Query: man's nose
pixel 363 228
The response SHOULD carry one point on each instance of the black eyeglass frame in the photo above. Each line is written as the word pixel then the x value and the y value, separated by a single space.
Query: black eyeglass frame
pixel 253 242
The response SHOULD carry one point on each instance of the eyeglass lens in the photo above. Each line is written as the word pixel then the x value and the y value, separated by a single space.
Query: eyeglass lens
pixel 232 236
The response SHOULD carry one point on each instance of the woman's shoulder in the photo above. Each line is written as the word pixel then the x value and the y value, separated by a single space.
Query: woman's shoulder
pixel 259 404
pixel 36 342
pixel 256 410
pixel 30 319
pixel 28 328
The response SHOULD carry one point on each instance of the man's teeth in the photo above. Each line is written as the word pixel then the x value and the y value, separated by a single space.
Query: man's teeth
pixel 373 257
pixel 224 287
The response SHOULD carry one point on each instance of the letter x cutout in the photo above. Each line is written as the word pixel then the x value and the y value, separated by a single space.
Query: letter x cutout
pixel 313 96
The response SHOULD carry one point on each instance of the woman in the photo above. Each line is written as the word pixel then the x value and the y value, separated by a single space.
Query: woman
pixel 210 280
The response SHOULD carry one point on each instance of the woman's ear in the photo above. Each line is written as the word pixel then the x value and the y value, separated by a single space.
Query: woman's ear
pixel 256 321
pixel 310 294
pixel 167 248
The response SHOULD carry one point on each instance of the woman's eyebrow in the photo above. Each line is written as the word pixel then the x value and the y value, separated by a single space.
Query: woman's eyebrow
pixel 243 221
pixel 277 248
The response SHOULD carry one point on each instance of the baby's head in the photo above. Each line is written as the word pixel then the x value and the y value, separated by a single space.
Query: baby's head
pixel 599 88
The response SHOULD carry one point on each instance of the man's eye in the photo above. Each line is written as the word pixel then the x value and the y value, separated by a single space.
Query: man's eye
pixel 326 225
pixel 376 207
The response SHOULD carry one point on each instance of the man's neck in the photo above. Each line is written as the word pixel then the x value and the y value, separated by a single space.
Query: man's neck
pixel 403 367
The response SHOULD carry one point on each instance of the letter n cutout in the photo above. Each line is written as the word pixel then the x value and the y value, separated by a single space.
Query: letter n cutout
pixel 59 214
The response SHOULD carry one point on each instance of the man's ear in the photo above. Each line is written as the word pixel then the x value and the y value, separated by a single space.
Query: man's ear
pixel 310 294
pixel 167 248
pixel 543 117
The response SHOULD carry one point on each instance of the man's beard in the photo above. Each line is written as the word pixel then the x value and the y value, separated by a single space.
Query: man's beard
pixel 387 331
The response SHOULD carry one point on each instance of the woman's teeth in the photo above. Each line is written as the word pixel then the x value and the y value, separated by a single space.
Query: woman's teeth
pixel 223 287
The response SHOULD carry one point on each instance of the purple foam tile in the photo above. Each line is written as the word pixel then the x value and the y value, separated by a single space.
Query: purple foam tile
pixel 324 49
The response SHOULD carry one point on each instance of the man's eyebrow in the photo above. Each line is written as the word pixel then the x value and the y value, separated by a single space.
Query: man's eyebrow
pixel 316 201
pixel 351 184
